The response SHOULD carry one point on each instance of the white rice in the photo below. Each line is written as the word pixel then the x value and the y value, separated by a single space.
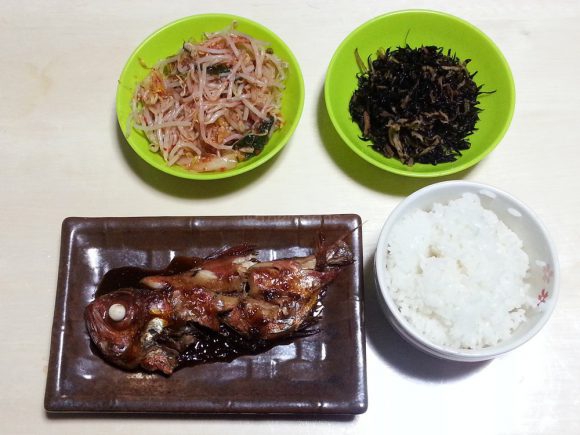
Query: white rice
pixel 458 274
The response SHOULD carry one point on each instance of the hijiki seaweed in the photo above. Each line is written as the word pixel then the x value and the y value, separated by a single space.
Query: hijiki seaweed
pixel 417 105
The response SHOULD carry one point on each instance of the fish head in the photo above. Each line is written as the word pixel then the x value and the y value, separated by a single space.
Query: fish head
pixel 114 322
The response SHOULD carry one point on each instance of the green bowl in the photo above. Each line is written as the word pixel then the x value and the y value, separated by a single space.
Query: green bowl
pixel 416 28
pixel 169 40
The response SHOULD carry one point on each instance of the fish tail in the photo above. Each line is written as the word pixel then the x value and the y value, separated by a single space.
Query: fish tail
pixel 336 255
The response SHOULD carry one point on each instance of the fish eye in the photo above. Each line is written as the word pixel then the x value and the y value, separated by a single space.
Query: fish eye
pixel 117 312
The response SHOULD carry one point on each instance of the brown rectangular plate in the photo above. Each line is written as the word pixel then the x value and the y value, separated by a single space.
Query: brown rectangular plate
pixel 321 374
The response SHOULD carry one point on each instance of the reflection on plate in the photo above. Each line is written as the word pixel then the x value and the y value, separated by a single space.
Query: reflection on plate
pixel 320 374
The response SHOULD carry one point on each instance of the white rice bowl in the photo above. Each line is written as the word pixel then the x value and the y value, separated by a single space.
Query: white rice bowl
pixel 458 274
pixel 464 283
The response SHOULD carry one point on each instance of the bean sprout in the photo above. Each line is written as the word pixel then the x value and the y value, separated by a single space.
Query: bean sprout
pixel 213 104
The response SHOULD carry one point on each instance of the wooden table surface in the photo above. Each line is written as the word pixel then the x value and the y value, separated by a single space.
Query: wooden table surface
pixel 63 156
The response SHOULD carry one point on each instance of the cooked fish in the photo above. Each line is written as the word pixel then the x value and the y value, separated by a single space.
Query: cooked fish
pixel 223 306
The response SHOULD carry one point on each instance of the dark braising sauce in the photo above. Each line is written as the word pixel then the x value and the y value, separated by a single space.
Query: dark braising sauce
pixel 131 276
pixel 223 346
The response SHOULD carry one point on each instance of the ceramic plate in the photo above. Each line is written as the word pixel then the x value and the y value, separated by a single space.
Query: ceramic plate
pixel 320 374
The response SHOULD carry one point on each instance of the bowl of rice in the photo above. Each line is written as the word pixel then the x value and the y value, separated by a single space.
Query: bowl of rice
pixel 466 272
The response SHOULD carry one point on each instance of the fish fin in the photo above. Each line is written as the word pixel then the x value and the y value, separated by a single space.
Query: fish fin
pixel 232 251
pixel 162 359
pixel 181 264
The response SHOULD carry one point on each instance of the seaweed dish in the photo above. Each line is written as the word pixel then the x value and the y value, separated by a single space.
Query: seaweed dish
pixel 418 105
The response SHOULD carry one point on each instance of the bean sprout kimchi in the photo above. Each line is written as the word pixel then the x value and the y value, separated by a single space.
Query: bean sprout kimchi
pixel 214 104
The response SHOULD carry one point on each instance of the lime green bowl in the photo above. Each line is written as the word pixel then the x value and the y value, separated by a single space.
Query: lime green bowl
pixel 169 40
pixel 416 28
